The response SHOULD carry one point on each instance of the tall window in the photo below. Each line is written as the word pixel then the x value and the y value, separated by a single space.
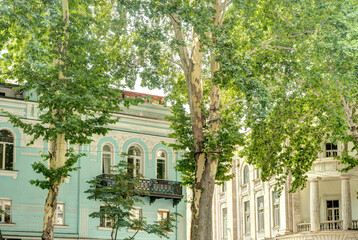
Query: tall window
pixel 331 149
pixel 225 229
pixel 258 173
pixel 5 215
pixel 6 150
pixel 247 216
pixel 223 187
pixel 60 214
pixel 135 159
pixel 260 213
pixel 246 175
pixel 136 218
pixel 163 218
pixel 106 159
pixel 105 220
pixel 332 210
pixel 161 164
pixel 276 209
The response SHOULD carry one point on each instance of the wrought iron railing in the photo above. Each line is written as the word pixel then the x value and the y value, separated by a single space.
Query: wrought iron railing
pixel 304 227
pixel 331 225
pixel 355 224
pixel 151 187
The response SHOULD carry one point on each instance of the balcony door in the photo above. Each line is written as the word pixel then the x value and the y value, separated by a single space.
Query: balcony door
pixel 135 160
pixel 332 210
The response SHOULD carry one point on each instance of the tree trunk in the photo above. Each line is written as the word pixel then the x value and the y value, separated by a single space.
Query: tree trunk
pixel 58 158
pixel 49 213
pixel 206 163
pixel 57 151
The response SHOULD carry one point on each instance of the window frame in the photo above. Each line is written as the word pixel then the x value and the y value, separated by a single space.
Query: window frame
pixel 3 166
pixel 63 214
pixel 137 160
pixel 2 207
pixel 105 219
pixel 246 175
pixel 333 209
pixel 111 158
pixel 224 219
pixel 134 217
pixel 260 214
pixel 331 152
pixel 247 224
pixel 275 209
pixel 165 160
pixel 160 217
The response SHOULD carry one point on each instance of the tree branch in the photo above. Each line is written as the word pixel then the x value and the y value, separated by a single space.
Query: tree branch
pixel 232 103
pixel 285 19
pixel 179 35
pixel 301 33
pixel 173 61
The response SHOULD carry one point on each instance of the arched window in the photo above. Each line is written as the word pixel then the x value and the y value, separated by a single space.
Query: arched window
pixel 6 150
pixel 135 159
pixel 161 164
pixel 106 159
pixel 246 175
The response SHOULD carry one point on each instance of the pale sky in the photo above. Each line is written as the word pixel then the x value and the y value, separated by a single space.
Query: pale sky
pixel 139 89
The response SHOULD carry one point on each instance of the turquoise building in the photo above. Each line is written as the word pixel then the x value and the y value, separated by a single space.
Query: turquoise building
pixel 139 133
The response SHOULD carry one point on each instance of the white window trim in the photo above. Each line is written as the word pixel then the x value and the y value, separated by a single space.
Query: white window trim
pixel 3 223
pixel 273 210
pixel 164 210
pixel 112 156
pixel 243 175
pixel 245 213
pixel 64 215
pixel 141 215
pixel 10 173
pixel 142 157
pixel 258 214
pixel 102 227
pixel 325 150
pixel 222 222
pixel 166 177
pixel 323 204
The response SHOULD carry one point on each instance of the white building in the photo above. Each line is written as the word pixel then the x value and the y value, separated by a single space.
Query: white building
pixel 327 209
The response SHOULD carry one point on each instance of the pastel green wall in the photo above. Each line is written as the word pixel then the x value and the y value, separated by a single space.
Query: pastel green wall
pixel 28 200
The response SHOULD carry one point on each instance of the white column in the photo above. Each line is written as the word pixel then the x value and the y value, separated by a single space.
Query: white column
pixel 253 207
pixel 284 210
pixel 314 205
pixel 268 210
pixel 346 202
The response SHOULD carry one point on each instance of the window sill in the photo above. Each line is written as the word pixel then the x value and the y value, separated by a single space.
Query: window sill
pixel 104 228
pixel 133 230
pixel 61 226
pixel 9 173
pixel 2 224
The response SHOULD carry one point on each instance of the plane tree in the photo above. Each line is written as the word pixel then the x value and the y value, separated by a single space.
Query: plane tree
pixel 224 60
pixel 73 59
pixel 318 104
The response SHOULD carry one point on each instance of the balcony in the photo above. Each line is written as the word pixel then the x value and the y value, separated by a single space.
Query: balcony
pixel 326 225
pixel 154 188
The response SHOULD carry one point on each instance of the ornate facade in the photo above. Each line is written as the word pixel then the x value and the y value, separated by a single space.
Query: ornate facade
pixel 326 209
pixel 139 133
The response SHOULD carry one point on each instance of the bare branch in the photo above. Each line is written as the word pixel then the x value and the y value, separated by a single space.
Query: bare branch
pixel 301 33
pixel 285 19
pixel 232 103
pixel 173 61
pixel 179 35
pixel 262 44
pixel 279 47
